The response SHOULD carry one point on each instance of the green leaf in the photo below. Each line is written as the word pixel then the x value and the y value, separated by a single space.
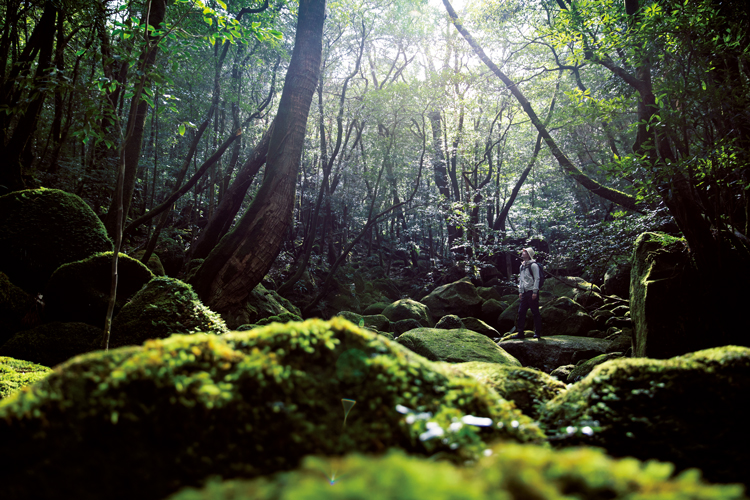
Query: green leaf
pixel 181 129
pixel 223 5
pixel 209 20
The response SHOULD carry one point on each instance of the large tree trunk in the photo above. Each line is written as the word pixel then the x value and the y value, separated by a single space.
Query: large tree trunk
pixel 242 258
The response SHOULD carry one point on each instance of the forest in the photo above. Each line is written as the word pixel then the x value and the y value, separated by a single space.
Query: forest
pixel 261 249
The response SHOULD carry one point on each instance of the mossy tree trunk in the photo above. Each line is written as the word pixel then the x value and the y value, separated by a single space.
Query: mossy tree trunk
pixel 243 256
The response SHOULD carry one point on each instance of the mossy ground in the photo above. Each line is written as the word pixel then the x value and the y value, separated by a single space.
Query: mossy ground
pixel 176 411
pixel 512 472
pixel 689 410
pixel 16 373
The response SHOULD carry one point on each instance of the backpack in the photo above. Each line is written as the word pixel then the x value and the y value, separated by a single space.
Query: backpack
pixel 542 274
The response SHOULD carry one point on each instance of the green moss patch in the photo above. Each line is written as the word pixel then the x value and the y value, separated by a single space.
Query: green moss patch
pixel 139 422
pixel 690 410
pixel 455 346
pixel 16 373
pixel 512 472
pixel 50 344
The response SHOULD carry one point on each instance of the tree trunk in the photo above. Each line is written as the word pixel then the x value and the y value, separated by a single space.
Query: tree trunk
pixel 242 258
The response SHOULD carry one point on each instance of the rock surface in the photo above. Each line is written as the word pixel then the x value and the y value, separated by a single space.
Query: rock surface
pixel 548 353
pixel 454 346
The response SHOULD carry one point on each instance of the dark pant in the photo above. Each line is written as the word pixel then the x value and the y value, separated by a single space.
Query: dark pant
pixel 526 303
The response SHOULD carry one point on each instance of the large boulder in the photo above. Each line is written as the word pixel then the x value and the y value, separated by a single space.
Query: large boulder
pixel 459 298
pixel 666 300
pixel 690 410
pixel 140 422
pixel 16 373
pixel 548 353
pixel 50 344
pixel 564 316
pixel 262 303
pixel 409 309
pixel 15 304
pixel 79 291
pixel 528 388
pixel 163 307
pixel 510 471
pixel 454 346
pixel 42 229
pixel 617 279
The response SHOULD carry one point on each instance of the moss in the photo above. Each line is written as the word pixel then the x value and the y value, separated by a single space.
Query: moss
pixel 14 304
pixel 284 317
pixel 79 291
pixel 511 472
pixel 42 229
pixel 409 309
pixel 526 387
pixel 179 410
pixel 163 307
pixel 154 262
pixel 690 410
pixel 455 346
pixel 15 374
pixel 52 343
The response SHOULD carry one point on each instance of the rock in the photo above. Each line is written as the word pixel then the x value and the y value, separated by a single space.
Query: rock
pixel 352 317
pixel 526 387
pixel 409 309
pixel 454 346
pixel 491 310
pixel 562 373
pixel 42 229
pixel 666 306
pixel 404 325
pixel 376 322
pixel 459 298
pixel 489 293
pixel 154 262
pixel 283 317
pixel 590 299
pixel 376 308
pixel 548 353
pixel 14 305
pixel 688 410
pixel 387 288
pixel 52 343
pixel 507 319
pixel 79 291
pixel 583 368
pixel 163 307
pixel 479 326
pixel 622 342
pixel 509 471
pixel 564 316
pixel 15 374
pixel 262 303
pixel 177 411
pixel 171 252
pixel 449 322
pixel 617 279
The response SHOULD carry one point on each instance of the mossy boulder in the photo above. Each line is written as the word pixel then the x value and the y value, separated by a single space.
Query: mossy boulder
pixel 14 305
pixel 617 279
pixel 564 316
pixel 154 263
pixel 42 229
pixel 528 388
pixel 449 322
pixel 479 326
pixel 491 310
pixel 690 410
pixel 176 411
pixel 585 367
pixel 666 302
pixel 459 298
pixel 376 308
pixel 262 303
pixel 409 309
pixel 455 346
pixel 79 291
pixel 171 252
pixel 50 344
pixel 163 307
pixel 404 325
pixel 510 471
pixel 16 373
pixel 548 353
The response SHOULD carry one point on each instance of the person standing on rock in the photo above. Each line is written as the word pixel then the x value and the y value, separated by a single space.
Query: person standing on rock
pixel 528 292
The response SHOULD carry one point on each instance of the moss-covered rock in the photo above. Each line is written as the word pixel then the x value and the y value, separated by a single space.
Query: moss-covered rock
pixel 459 298
pixel 479 326
pixel 42 229
pixel 455 346
pixel 583 368
pixel 526 387
pixel 449 322
pixel 176 411
pixel 691 410
pixel 16 373
pixel 564 316
pixel 14 305
pixel 512 472
pixel 376 308
pixel 171 254
pixel 50 344
pixel 284 317
pixel 154 263
pixel 404 325
pixel 163 307
pixel 409 309
pixel 262 303
pixel 79 291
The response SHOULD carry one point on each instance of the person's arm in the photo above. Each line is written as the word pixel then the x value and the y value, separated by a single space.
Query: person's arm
pixel 535 273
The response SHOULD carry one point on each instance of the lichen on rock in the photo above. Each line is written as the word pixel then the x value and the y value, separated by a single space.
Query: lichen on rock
pixel 16 374
pixel 455 346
